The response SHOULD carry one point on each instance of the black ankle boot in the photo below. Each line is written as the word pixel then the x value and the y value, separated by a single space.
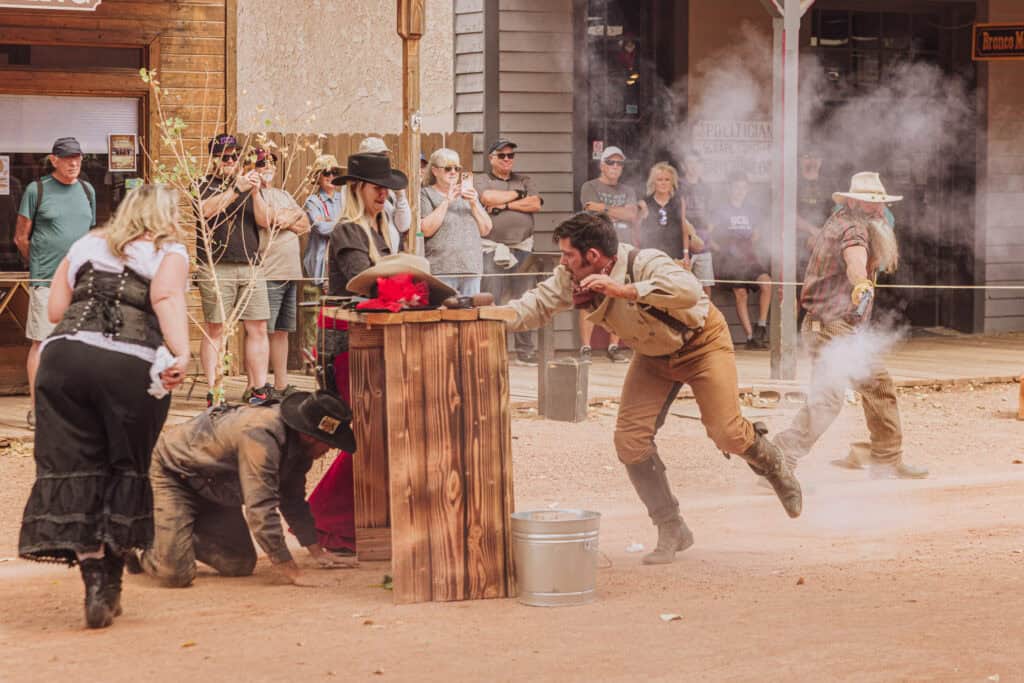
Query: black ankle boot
pixel 97 611
pixel 114 565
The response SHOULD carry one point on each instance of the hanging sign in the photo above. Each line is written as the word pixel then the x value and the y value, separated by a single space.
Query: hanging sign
pixel 728 146
pixel 121 152
pixel 82 5
pixel 998 41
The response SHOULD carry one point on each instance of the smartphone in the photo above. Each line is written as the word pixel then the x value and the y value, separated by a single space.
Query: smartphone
pixel 467 180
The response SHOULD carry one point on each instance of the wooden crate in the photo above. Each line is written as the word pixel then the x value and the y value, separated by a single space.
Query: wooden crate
pixel 433 470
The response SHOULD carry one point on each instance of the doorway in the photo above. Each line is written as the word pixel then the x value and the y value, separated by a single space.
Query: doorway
pixel 856 54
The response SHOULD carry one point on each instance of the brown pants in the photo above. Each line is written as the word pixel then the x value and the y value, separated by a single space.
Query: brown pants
pixel 708 364
pixel 826 396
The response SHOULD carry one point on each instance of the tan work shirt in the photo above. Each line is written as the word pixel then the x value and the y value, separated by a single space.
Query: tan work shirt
pixel 660 282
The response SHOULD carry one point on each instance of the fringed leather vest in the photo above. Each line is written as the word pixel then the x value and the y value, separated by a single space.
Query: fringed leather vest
pixel 116 304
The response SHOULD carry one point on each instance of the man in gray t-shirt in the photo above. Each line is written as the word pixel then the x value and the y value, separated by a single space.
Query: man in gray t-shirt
pixel 511 201
pixel 605 194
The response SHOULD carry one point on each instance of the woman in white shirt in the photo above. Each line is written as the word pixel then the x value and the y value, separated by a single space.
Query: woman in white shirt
pixel 118 299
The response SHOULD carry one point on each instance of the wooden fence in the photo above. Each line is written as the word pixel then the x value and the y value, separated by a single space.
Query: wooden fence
pixel 296 160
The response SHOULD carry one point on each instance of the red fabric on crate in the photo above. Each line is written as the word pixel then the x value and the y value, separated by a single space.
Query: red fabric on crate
pixel 333 500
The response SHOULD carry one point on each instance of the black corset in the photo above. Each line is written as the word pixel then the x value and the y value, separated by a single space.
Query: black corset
pixel 116 304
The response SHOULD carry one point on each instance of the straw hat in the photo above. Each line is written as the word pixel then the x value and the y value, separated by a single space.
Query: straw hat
pixel 866 187
pixel 324 162
pixel 397 264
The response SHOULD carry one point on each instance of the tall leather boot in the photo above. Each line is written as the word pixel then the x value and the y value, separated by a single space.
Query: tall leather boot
pixel 94 576
pixel 767 460
pixel 652 486
pixel 114 565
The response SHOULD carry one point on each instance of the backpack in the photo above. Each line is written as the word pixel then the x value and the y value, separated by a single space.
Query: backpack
pixel 90 194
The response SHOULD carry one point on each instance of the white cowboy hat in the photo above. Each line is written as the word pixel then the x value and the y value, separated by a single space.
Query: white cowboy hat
pixel 866 187
pixel 365 282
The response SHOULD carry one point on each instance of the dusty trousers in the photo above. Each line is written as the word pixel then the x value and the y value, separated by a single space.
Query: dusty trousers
pixel 708 364
pixel 827 394
pixel 189 527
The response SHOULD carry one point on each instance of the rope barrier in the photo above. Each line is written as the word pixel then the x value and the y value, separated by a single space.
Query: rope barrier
pixel 462 276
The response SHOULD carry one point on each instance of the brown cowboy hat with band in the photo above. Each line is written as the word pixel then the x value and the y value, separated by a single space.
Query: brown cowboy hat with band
pixel 375 169
pixel 399 264
pixel 321 415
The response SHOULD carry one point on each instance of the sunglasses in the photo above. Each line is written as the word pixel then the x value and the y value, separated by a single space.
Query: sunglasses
pixel 329 173
pixel 229 157
pixel 614 162
pixel 505 155
pixel 450 169
pixel 263 163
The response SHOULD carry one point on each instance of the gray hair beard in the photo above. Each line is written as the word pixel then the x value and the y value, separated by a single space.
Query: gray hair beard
pixel 884 253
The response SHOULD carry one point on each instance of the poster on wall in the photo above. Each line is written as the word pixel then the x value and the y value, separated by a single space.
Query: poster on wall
pixel 121 152
pixel 5 175
pixel 728 146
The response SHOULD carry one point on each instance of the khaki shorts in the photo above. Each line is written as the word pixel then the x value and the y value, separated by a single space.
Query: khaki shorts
pixel 38 326
pixel 237 282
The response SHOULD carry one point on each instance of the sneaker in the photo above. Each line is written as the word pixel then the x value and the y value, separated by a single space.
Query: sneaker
pixel 752 344
pixel 526 358
pixel 281 394
pixel 255 397
pixel 585 353
pixel 761 336
pixel 30 420
pixel 616 355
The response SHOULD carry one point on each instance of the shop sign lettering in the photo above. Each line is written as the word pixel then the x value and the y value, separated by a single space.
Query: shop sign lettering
pixel 998 41
pixel 728 146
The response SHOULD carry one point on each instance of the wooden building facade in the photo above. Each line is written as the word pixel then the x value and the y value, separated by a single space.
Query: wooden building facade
pixel 77 73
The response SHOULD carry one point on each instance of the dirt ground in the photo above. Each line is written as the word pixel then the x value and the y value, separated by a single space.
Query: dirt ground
pixel 877 581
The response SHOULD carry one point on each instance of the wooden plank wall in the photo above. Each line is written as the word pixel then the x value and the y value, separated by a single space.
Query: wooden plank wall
pixel 1001 202
pixel 469 73
pixel 536 110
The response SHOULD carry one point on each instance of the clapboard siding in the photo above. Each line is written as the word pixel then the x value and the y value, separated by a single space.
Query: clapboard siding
pixel 469 69
pixel 535 63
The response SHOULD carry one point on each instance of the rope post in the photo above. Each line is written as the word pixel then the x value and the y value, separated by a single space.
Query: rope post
pixel 1020 400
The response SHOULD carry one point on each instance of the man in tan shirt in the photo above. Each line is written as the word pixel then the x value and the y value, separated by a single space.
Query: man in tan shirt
pixel 678 337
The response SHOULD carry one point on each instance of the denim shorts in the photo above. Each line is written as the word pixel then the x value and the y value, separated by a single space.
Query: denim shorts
pixel 283 305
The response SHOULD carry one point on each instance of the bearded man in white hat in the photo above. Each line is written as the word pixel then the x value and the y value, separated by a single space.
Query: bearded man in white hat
pixel 855 245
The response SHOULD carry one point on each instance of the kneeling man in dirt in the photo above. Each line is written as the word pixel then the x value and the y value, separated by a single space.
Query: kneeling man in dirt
pixel 678 337
pixel 203 471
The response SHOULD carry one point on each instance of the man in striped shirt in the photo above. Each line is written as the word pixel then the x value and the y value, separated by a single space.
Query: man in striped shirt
pixel 856 243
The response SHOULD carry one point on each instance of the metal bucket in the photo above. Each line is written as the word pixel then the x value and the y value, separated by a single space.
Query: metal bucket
pixel 555 552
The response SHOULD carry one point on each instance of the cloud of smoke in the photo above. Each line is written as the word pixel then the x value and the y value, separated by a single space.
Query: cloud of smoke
pixel 847 361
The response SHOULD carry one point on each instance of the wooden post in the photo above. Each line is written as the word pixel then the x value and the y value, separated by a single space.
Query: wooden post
pixel 785 109
pixel 410 28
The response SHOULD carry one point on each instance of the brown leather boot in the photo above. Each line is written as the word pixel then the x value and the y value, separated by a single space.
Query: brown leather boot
pixel 652 486
pixel 114 565
pixel 673 537
pixel 767 459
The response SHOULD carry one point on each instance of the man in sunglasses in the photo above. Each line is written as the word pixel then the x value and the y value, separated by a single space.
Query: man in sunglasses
pixel 607 195
pixel 511 200
pixel 228 240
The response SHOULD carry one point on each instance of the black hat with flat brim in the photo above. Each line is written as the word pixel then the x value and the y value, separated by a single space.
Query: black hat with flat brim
pixel 373 168
pixel 321 415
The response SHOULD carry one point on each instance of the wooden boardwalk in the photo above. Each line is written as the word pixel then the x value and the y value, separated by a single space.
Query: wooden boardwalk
pixel 920 360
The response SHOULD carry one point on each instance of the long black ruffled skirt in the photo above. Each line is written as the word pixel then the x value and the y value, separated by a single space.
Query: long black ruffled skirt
pixel 95 430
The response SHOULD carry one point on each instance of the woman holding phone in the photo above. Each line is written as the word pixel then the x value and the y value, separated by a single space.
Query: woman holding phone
pixel 453 222
pixel 118 300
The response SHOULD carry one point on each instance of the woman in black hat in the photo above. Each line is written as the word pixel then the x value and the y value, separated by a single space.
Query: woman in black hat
pixel 358 241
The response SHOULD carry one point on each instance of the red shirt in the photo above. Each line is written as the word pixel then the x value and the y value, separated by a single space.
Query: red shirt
pixel 827 290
